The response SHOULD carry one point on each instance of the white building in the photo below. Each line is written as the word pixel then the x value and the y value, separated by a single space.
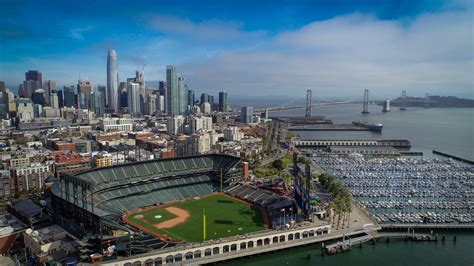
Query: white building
pixel 204 144
pixel 206 108
pixel 160 105
pixel 133 98
pixel 200 123
pixel 115 124
pixel 25 110
pixel 152 104
pixel 233 134
pixel 176 125
pixel 50 112
pixel 54 100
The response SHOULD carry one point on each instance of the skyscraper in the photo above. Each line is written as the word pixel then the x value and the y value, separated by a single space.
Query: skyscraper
pixel 33 81
pixel 191 98
pixel 60 95
pixel 54 101
pixel 162 87
pixel 34 75
pixel 112 93
pixel 49 86
pixel 246 114
pixel 160 106
pixel 183 95
pixel 69 96
pixel 99 103
pixel 223 101
pixel 38 97
pixel 84 90
pixel 210 100
pixel 172 96
pixel 134 103
pixel 204 98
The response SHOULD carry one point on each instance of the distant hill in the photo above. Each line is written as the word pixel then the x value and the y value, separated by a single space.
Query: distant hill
pixel 435 101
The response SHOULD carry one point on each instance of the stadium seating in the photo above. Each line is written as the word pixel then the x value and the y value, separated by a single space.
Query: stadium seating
pixel 160 191
pixel 255 195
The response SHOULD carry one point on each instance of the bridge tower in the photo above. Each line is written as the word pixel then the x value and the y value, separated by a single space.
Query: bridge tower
pixel 403 106
pixel 308 103
pixel 365 105
pixel 427 100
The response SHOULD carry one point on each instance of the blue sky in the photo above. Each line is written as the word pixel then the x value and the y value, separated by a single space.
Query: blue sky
pixel 247 47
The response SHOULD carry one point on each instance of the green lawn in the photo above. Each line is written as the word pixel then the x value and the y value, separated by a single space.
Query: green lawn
pixel 269 171
pixel 225 217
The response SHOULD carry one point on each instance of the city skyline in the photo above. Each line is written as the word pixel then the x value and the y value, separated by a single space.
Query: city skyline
pixel 332 49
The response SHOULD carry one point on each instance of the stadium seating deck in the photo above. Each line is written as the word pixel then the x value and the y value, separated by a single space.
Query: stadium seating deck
pixel 104 177
pixel 159 191
pixel 258 196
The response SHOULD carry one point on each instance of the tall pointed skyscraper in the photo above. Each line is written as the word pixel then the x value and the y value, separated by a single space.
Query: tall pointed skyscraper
pixel 112 92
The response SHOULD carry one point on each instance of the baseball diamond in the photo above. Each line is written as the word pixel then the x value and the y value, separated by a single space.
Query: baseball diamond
pixel 182 220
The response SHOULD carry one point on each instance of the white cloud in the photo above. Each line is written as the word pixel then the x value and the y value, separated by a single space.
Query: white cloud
pixel 206 30
pixel 77 33
pixel 343 55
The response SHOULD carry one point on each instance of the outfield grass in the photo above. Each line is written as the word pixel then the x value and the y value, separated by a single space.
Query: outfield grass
pixel 225 217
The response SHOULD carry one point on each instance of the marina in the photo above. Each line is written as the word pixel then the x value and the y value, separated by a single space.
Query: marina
pixel 407 190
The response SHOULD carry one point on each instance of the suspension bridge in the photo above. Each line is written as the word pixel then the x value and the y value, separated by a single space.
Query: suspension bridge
pixel 309 105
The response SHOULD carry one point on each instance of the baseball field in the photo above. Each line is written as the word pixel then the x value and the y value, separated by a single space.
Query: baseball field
pixel 183 221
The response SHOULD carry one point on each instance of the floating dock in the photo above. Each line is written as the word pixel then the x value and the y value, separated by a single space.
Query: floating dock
pixel 346 243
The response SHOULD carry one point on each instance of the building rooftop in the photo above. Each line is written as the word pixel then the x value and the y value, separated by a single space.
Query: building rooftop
pixel 27 208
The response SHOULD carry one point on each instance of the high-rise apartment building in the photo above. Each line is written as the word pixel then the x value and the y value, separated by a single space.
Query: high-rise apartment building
pixel 183 95
pixel 191 98
pixel 33 81
pixel 38 97
pixel 152 104
pixel 53 99
pixel 49 87
pixel 134 102
pixel 204 98
pixel 84 90
pixel 69 94
pixel 223 101
pixel 172 92
pixel 112 92
pixel 99 103
pixel 176 125
pixel 161 104
pixel 34 75
pixel 246 115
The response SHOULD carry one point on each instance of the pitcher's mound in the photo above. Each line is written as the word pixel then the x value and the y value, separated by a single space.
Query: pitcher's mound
pixel 181 217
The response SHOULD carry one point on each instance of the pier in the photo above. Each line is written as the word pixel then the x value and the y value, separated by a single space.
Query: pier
pixel 347 242
pixel 437 227
pixel 453 157
pixel 330 127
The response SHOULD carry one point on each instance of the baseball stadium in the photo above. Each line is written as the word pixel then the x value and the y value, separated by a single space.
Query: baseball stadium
pixel 144 206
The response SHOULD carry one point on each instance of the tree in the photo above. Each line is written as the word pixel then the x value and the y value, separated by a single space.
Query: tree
pixel 278 164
